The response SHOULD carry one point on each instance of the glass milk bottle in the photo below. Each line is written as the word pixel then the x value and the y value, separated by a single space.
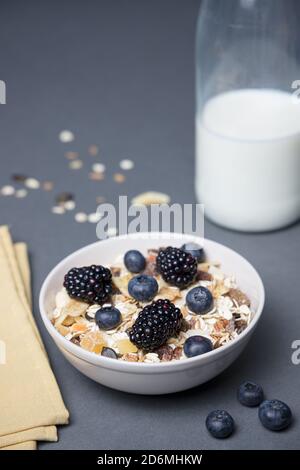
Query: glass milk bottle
pixel 248 113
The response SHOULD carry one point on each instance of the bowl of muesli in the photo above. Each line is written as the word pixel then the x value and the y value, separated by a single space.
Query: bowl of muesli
pixel 152 313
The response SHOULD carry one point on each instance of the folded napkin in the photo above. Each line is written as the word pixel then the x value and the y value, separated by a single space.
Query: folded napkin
pixel 31 403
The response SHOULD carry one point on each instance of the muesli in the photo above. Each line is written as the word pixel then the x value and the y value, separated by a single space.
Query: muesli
pixel 166 306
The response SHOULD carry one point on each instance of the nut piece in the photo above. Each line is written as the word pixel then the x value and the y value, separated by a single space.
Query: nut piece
pixel 203 276
pixel 130 357
pixel 239 297
pixel 165 353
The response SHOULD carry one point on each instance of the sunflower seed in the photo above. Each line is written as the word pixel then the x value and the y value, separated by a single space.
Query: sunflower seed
pixel 98 167
pixel 71 155
pixel 126 164
pixel 64 197
pixel 93 150
pixel 58 210
pixel 96 176
pixel 20 193
pixel 32 183
pixel 18 178
pixel 81 217
pixel 75 164
pixel 47 185
pixel 7 190
pixel 66 136
pixel 69 205
pixel 94 217
pixel 119 178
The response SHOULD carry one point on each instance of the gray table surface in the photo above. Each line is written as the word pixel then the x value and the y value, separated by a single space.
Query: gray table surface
pixel 120 74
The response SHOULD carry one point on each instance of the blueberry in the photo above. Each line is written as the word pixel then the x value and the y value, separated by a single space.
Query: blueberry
pixel 108 318
pixel 197 345
pixel 250 394
pixel 109 352
pixel 199 300
pixel 275 415
pixel 220 424
pixel 194 250
pixel 143 287
pixel 134 261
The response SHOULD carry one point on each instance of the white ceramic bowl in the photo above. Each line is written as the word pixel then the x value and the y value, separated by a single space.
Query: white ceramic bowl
pixel 152 378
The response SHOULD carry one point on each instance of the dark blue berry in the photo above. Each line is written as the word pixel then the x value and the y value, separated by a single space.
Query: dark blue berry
pixel 275 415
pixel 109 352
pixel 143 287
pixel 197 345
pixel 220 424
pixel 250 394
pixel 108 318
pixel 195 250
pixel 134 261
pixel 199 300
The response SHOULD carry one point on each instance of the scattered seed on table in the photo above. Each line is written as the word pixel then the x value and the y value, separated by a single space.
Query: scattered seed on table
pixel 66 136
pixel 58 210
pixel 126 164
pixel 96 176
pixel 94 217
pixel 75 164
pixel 112 231
pixel 100 199
pixel 98 167
pixel 20 193
pixel 93 150
pixel 18 178
pixel 119 178
pixel 81 217
pixel 32 183
pixel 150 197
pixel 71 155
pixel 7 190
pixel 69 205
pixel 47 185
pixel 64 197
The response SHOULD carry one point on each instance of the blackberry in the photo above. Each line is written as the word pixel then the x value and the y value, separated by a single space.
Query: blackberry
pixel 155 324
pixel 92 284
pixel 176 267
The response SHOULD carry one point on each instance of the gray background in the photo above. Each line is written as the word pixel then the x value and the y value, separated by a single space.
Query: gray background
pixel 120 74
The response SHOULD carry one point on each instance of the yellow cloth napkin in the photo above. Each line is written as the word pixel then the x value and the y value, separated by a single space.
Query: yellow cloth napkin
pixel 31 404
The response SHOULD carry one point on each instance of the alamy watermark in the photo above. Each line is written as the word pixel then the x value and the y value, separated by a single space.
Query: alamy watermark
pixel 2 92
pixel 147 220
pixel 296 354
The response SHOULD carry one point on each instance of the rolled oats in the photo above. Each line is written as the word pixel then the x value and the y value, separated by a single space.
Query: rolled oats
pixel 230 315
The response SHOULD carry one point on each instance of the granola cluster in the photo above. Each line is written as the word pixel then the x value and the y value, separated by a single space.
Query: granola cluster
pixel 230 315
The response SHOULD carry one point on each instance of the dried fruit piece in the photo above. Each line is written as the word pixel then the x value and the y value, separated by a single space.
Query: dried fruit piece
pixel 93 342
pixel 68 321
pixel 63 330
pixel 126 346
pixel 79 328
